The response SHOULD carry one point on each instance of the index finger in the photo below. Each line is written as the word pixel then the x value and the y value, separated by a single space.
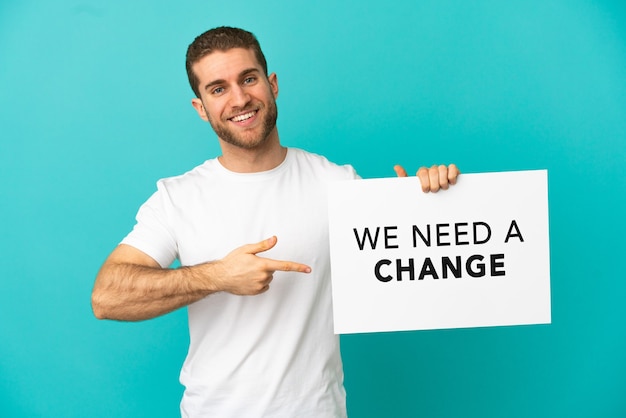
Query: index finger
pixel 280 265
pixel 424 177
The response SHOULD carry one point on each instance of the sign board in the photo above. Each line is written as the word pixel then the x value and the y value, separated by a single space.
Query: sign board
pixel 475 255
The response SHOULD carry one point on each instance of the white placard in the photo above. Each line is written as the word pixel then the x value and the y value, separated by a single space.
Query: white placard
pixel 472 256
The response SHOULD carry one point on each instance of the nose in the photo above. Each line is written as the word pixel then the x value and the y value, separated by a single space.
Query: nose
pixel 239 97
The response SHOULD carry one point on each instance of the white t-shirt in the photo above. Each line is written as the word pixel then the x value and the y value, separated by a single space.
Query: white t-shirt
pixel 270 355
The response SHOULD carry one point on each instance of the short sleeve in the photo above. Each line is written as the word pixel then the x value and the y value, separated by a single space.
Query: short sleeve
pixel 153 232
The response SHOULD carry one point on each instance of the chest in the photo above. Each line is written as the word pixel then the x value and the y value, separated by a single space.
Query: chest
pixel 220 217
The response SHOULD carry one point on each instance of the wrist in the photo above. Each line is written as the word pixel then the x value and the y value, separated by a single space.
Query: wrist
pixel 204 277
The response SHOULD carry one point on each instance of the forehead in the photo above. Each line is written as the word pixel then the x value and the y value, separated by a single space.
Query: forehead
pixel 224 65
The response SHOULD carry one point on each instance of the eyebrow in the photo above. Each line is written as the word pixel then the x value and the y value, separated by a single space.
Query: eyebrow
pixel 241 75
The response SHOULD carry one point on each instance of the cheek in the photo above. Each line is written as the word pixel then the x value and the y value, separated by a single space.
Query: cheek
pixel 212 112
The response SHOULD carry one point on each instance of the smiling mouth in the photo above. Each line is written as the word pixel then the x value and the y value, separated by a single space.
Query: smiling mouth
pixel 242 117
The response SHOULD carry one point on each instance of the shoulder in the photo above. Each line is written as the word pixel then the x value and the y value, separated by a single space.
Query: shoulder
pixel 305 160
pixel 197 177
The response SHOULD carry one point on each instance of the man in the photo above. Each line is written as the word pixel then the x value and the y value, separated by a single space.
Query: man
pixel 251 232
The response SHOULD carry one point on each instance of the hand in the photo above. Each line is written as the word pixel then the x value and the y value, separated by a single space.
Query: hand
pixel 433 178
pixel 243 272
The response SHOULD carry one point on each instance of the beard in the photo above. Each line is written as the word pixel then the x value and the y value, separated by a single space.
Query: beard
pixel 248 140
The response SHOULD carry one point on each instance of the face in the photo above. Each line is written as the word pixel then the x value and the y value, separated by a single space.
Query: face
pixel 236 98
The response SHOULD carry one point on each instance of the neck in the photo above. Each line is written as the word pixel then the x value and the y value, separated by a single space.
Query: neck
pixel 265 157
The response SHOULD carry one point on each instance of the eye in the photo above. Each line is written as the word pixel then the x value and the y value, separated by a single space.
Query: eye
pixel 249 80
pixel 217 90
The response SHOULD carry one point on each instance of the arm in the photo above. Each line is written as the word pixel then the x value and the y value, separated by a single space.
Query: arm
pixel 433 178
pixel 131 286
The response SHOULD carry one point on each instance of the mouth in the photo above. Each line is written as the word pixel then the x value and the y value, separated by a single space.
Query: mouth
pixel 244 116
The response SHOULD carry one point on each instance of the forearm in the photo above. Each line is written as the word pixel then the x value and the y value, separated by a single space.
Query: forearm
pixel 131 286
pixel 132 292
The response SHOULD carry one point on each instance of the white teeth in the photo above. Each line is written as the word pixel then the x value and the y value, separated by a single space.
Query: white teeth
pixel 243 117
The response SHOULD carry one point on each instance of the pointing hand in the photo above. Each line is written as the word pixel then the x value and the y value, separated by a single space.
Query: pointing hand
pixel 243 272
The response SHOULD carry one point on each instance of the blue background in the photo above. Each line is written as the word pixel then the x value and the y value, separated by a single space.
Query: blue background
pixel 95 108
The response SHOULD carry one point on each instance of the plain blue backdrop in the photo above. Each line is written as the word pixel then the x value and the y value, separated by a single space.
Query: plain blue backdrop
pixel 95 107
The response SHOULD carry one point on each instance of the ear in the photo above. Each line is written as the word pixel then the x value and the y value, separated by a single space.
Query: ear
pixel 273 79
pixel 199 106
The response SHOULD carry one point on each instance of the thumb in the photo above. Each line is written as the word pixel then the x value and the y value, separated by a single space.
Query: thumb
pixel 400 171
pixel 261 246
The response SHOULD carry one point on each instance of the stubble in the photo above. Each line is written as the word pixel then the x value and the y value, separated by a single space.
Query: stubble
pixel 247 140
